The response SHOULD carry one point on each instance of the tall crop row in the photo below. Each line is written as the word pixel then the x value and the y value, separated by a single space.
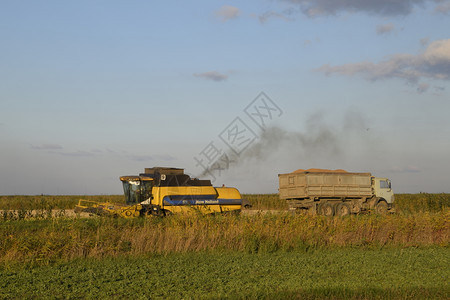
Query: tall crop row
pixel 47 202
pixel 412 203
pixel 404 203
pixel 51 239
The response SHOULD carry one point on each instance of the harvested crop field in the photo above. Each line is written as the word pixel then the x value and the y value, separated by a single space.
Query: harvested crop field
pixel 267 255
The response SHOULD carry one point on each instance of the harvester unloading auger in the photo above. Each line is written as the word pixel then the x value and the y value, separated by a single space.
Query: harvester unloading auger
pixel 162 191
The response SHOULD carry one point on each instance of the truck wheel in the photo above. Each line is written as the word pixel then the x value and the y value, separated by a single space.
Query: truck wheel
pixel 326 209
pixel 342 209
pixel 381 208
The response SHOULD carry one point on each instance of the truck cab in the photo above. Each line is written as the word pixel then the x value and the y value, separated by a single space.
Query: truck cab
pixel 383 189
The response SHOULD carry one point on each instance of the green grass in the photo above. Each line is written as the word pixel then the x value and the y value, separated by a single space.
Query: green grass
pixel 325 274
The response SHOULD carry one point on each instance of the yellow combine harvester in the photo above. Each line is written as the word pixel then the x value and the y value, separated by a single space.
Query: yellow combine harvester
pixel 161 191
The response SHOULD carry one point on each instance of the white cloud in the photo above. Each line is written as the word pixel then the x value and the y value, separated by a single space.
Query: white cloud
pixel 47 147
pixel 314 8
pixel 274 15
pixel 78 153
pixel 58 150
pixel 422 87
pixel 212 75
pixel 405 169
pixel 424 41
pixel 433 63
pixel 385 28
pixel 151 157
pixel 55 149
pixel 439 88
pixel 385 8
pixel 438 54
pixel 443 8
pixel 227 12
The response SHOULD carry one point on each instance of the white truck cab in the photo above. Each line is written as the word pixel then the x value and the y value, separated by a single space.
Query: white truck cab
pixel 383 189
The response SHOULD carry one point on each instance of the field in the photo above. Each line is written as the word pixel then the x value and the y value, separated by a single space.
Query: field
pixel 322 274
pixel 403 255
pixel 404 203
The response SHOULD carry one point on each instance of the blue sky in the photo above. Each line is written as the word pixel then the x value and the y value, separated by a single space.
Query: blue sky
pixel 92 90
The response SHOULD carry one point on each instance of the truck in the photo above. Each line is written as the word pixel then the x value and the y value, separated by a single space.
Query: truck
pixel 335 192
pixel 162 191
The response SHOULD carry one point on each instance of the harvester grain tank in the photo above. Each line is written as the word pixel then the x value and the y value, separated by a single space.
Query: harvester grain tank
pixel 161 191
pixel 335 192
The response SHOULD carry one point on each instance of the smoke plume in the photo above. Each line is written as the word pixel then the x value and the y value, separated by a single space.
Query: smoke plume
pixel 320 143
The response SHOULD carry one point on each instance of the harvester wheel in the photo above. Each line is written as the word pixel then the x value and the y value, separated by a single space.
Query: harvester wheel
pixel 326 209
pixel 157 211
pixel 381 208
pixel 342 209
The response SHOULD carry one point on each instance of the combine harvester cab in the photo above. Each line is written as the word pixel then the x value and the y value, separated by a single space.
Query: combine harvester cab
pixel 161 191
pixel 335 192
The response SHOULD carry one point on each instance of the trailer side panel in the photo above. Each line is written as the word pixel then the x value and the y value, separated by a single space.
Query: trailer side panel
pixel 324 185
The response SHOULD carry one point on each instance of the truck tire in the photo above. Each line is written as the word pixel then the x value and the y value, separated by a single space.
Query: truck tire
pixel 381 208
pixel 343 209
pixel 326 209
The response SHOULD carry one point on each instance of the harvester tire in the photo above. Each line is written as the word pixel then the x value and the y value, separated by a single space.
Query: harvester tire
pixel 157 211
